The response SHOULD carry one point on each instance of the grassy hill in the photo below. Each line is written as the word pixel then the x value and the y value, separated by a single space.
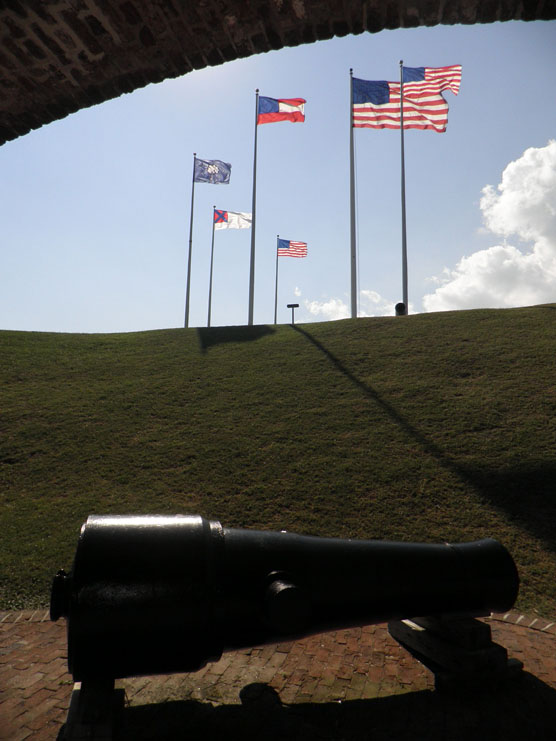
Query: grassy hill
pixel 434 427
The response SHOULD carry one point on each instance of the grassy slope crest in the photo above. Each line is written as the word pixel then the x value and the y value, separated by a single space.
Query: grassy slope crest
pixel 434 427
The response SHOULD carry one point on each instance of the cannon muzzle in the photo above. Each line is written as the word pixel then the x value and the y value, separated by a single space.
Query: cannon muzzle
pixel 163 594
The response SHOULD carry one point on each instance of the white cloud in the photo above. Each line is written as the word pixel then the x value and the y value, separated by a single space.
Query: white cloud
pixel 523 205
pixel 524 202
pixel 371 303
pixel 329 310
pixel 297 291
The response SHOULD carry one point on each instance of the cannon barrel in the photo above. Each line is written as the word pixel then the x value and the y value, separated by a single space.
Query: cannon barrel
pixel 163 594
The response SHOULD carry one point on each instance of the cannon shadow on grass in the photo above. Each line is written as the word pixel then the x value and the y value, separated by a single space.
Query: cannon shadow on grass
pixel 527 494
pixel 520 708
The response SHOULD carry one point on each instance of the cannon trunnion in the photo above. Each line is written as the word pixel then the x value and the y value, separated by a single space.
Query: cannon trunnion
pixel 163 594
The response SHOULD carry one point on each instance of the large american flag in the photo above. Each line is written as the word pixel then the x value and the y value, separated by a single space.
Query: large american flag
pixel 376 104
pixel 291 249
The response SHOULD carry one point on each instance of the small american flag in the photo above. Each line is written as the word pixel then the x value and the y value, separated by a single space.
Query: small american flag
pixel 376 104
pixel 291 249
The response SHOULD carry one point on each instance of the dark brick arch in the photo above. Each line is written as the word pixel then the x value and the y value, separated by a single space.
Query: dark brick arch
pixel 58 56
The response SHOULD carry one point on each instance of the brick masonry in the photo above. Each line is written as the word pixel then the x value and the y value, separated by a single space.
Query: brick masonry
pixel 351 684
pixel 58 56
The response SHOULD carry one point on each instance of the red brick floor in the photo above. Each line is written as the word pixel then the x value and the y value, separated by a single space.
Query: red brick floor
pixel 352 684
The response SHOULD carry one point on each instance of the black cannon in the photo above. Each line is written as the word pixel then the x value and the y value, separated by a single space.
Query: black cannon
pixel 163 594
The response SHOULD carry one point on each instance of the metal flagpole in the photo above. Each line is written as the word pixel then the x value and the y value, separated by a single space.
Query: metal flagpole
pixel 211 263
pixel 253 212
pixel 353 259
pixel 404 236
pixel 186 322
pixel 276 289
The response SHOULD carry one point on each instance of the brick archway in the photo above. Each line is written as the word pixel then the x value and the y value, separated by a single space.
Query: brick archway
pixel 58 56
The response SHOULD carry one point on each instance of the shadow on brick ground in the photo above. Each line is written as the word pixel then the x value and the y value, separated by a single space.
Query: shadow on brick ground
pixel 522 708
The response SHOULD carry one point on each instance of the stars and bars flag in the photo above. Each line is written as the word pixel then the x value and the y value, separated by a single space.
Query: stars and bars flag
pixel 287 248
pixel 376 103
pixel 211 171
pixel 280 109
pixel 231 219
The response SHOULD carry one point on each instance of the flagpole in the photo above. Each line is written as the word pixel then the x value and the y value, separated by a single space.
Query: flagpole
pixel 404 234
pixel 353 259
pixel 253 211
pixel 211 263
pixel 188 283
pixel 276 289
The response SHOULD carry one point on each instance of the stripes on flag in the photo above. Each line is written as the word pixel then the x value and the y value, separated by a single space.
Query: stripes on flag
pixel 447 78
pixel 376 104
pixel 286 248
pixel 281 109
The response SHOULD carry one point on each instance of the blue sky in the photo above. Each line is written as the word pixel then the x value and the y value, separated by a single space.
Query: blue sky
pixel 95 208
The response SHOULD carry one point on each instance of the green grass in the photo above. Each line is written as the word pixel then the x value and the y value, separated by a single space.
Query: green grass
pixel 434 427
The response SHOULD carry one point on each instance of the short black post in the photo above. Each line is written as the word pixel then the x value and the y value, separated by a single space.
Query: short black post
pixel 293 307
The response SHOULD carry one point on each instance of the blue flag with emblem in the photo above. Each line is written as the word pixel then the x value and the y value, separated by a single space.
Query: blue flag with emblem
pixel 212 171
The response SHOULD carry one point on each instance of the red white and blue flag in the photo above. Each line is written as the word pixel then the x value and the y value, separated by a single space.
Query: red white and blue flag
pixel 283 109
pixel 231 219
pixel 286 248
pixel 376 104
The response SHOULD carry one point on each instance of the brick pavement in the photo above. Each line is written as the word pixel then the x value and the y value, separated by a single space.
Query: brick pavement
pixel 351 684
